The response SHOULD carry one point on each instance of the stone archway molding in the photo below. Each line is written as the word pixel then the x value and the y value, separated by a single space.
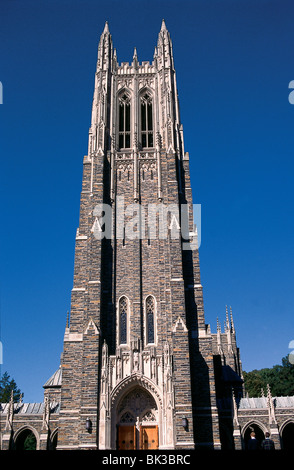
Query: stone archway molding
pixel 124 387
pixel 27 428
pixel 253 422
pixel 136 380
pixel 285 424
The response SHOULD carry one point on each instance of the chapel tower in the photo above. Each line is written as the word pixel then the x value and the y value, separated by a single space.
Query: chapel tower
pixel 137 365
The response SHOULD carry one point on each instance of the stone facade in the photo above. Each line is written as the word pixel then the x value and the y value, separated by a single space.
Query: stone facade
pixel 140 367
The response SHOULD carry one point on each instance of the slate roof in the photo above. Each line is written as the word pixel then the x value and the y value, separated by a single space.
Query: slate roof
pixel 37 408
pixel 254 403
pixel 29 408
pixel 55 379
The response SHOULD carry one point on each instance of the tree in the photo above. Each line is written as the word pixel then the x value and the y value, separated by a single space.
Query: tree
pixel 30 442
pixel 7 385
pixel 280 379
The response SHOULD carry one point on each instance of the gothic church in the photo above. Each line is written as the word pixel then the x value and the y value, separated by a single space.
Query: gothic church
pixel 140 368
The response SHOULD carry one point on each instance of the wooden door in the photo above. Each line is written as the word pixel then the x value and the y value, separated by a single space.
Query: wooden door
pixel 148 437
pixel 126 437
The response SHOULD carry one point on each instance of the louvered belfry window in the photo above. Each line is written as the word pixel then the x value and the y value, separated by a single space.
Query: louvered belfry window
pixel 124 125
pixel 146 121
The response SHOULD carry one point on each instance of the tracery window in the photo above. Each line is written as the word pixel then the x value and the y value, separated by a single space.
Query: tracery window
pixel 124 124
pixel 146 120
pixel 150 319
pixel 123 317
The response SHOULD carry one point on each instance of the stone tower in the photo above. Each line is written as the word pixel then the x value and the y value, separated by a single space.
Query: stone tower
pixel 137 364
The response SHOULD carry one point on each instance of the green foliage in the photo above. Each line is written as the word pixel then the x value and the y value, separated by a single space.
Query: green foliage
pixel 29 442
pixel 280 379
pixel 6 387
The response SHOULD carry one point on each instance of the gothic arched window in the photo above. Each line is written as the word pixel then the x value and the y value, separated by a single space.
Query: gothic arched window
pixel 124 122
pixel 146 120
pixel 150 319
pixel 123 318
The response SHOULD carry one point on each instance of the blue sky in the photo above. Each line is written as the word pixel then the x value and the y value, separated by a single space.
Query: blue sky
pixel 234 61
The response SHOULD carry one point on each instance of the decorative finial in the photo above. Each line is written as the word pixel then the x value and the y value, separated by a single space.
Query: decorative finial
pixel 135 57
pixel 227 320
pixel 232 321
pixel 163 26
pixel 106 29
pixel 218 327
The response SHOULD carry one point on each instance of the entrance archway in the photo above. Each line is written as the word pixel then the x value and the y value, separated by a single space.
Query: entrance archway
pixel 259 434
pixel 288 436
pixel 137 421
pixel 26 440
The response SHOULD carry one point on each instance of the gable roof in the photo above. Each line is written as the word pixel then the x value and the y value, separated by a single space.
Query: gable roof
pixel 55 379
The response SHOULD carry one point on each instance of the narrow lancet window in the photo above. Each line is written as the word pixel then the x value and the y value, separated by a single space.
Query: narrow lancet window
pixel 124 125
pixel 150 313
pixel 123 316
pixel 146 121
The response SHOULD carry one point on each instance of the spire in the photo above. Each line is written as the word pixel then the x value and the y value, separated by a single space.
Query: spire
pixel 269 393
pixel 218 327
pixel 232 321
pixel 229 332
pixel 235 409
pixel 106 28
pixel 135 57
pixel 105 49
pixel 218 337
pixel 164 48
pixel 115 62
pixel 271 406
pixel 105 64
pixel 163 26
pixel 227 320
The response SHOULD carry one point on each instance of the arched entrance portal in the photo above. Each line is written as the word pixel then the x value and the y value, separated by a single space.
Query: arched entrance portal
pixel 259 434
pixel 26 440
pixel 137 421
pixel 288 436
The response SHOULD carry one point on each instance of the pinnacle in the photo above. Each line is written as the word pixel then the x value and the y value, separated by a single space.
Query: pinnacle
pixel 106 28
pixel 163 26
